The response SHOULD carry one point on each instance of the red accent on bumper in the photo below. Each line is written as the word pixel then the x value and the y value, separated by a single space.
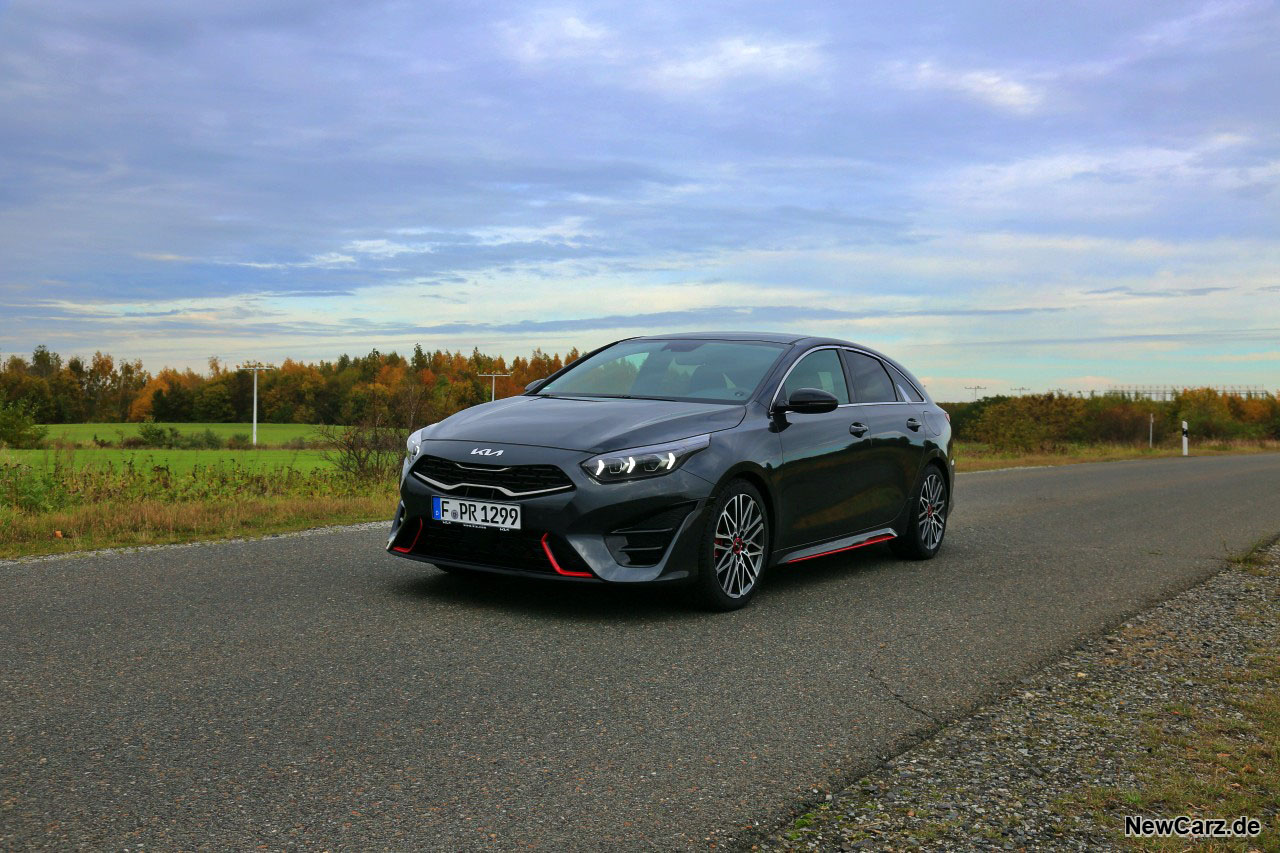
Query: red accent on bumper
pixel 875 541
pixel 552 557
pixel 414 542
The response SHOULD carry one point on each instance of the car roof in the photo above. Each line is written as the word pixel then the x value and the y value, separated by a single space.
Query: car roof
pixel 766 337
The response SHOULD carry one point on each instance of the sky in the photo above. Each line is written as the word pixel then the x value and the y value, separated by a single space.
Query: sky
pixel 1005 195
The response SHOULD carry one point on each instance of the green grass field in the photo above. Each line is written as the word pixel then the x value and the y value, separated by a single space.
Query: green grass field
pixel 177 461
pixel 268 434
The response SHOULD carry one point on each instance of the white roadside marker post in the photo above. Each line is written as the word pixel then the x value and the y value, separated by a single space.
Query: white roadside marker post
pixel 1184 438
pixel 1151 432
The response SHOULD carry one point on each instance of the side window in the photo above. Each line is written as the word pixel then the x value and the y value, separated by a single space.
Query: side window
pixel 906 390
pixel 819 370
pixel 870 383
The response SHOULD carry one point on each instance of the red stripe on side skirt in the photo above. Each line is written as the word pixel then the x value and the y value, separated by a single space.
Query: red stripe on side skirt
pixel 875 541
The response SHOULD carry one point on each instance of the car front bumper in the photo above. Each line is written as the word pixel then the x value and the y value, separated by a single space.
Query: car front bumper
pixel 641 531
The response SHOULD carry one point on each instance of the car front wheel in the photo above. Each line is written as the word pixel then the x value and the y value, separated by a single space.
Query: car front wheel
pixel 735 546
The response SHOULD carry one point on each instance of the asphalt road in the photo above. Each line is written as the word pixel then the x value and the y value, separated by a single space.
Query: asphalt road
pixel 313 691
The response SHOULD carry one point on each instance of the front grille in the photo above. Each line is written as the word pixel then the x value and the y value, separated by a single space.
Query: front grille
pixel 644 541
pixel 518 550
pixel 465 480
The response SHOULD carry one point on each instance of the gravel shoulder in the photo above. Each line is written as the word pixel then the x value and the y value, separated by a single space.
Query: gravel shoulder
pixel 1159 717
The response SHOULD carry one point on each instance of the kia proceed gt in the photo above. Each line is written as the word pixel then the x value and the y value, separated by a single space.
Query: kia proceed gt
pixel 698 459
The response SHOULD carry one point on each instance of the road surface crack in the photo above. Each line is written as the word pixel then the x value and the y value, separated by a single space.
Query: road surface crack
pixel 904 701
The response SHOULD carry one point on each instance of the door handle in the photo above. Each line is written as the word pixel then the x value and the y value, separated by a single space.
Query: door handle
pixel 913 423
pixel 857 429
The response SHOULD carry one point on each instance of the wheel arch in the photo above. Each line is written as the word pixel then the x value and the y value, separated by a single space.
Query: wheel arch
pixel 935 459
pixel 759 478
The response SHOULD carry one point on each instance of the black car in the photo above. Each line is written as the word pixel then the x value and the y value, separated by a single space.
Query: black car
pixel 691 458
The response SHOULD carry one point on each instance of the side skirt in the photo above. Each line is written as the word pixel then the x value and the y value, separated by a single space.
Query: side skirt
pixel 847 543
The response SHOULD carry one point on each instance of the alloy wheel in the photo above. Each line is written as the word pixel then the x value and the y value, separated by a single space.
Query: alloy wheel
pixel 932 520
pixel 738 550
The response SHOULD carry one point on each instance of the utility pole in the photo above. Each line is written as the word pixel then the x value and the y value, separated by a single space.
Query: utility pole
pixel 257 367
pixel 493 384
pixel 1021 388
pixel 975 389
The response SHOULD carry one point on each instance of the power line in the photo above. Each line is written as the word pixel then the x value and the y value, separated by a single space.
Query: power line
pixel 1169 392
pixel 975 389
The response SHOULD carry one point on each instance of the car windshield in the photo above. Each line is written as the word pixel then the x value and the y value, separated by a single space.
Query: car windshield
pixel 705 371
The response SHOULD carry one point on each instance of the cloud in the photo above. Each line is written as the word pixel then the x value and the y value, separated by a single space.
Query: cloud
pixel 1182 337
pixel 550 36
pixel 1166 293
pixel 383 248
pixel 719 63
pixel 370 169
pixel 996 89
pixel 1207 20
pixel 1247 357
pixel 1116 182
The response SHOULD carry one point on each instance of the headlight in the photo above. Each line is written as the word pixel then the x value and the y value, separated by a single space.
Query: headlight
pixel 641 462
pixel 414 444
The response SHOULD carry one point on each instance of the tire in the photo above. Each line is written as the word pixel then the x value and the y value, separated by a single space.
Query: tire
pixel 734 548
pixel 927 518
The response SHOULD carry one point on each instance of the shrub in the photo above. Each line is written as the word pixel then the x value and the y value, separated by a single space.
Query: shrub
pixel 18 427
pixel 370 451
pixel 1208 415
pixel 204 440
pixel 1038 422
pixel 154 435
pixel 296 443
pixel 31 489
pixel 240 441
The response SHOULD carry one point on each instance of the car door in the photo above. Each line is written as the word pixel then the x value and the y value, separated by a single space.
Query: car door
pixel 888 466
pixel 817 488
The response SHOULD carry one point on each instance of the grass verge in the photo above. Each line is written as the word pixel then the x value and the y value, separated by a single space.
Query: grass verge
pixel 154 522
pixel 1203 762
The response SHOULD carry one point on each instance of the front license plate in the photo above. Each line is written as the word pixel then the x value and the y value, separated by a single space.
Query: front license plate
pixel 476 513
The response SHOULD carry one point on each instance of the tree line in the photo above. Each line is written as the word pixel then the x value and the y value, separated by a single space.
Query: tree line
pixel 379 386
pixel 398 392
pixel 1047 422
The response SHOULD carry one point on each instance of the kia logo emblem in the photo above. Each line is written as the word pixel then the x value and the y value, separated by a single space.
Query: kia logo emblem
pixel 485 451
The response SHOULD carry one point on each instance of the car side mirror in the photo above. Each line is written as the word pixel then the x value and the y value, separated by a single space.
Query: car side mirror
pixel 811 401
pixel 534 386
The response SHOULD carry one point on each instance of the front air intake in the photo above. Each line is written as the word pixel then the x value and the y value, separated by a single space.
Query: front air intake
pixel 644 541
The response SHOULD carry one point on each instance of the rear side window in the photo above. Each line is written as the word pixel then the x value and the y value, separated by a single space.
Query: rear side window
pixel 905 389
pixel 870 383
pixel 819 370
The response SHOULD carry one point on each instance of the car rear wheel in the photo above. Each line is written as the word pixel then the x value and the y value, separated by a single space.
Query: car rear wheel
pixel 928 518
pixel 735 546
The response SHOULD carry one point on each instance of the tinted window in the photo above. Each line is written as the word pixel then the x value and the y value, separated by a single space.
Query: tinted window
pixel 714 371
pixel 819 370
pixel 906 390
pixel 870 383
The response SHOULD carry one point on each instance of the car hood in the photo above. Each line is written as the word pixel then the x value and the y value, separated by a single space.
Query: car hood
pixel 589 424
